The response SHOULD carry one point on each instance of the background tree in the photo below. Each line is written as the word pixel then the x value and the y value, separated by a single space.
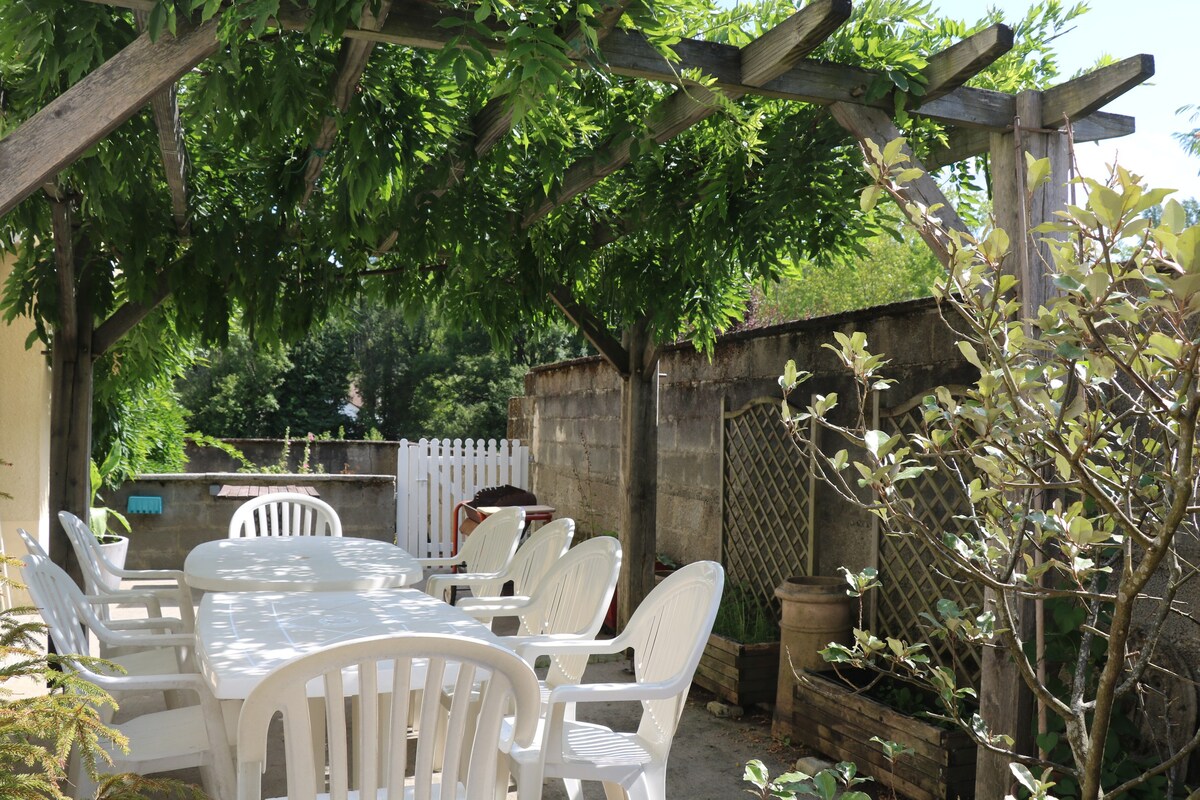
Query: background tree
pixel 888 272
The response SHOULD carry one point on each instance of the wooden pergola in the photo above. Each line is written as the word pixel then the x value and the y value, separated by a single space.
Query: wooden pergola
pixel 776 65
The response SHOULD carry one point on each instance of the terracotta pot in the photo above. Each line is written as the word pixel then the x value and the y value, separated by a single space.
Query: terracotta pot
pixel 814 612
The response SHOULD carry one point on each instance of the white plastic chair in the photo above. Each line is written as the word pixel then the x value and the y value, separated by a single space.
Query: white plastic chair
pixel 385 673
pixel 667 633
pixel 486 553
pixel 102 578
pixel 530 563
pixel 32 544
pixel 284 514
pixel 178 738
pixel 569 603
pixel 69 616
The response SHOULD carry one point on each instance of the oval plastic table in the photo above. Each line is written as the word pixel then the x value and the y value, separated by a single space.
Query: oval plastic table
pixel 299 563
pixel 241 636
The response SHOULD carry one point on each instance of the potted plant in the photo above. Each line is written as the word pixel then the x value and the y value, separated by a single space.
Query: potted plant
pixel 113 545
pixel 740 663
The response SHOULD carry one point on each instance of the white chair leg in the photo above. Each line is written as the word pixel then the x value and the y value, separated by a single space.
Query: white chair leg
pixel 574 788
pixel 83 786
pixel 613 791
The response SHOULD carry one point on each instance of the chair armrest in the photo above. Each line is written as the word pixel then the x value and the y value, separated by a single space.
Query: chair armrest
pixel 611 692
pixel 448 561
pixel 146 640
pixel 171 624
pixel 148 683
pixel 493 606
pixel 122 596
pixel 548 646
pixel 150 574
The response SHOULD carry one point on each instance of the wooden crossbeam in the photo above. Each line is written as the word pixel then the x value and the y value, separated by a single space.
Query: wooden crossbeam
pixel 961 144
pixel 778 50
pixel 629 54
pixel 495 119
pixel 165 108
pixel 1088 93
pixel 768 57
pixel 352 60
pixel 871 123
pixel 593 329
pixel 951 68
pixel 78 118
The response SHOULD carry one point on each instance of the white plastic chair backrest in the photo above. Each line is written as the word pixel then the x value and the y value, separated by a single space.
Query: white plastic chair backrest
pixel 391 665
pixel 65 610
pixel 572 598
pixel 533 559
pixel 284 514
pixel 32 544
pixel 99 573
pixel 491 546
pixel 668 632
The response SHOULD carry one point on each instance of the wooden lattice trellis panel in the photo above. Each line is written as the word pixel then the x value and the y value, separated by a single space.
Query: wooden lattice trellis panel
pixel 766 500
pixel 908 567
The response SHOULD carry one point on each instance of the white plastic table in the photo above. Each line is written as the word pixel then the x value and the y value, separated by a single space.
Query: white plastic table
pixel 241 636
pixel 299 563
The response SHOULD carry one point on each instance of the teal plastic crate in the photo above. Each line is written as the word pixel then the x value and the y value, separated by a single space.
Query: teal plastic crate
pixel 143 505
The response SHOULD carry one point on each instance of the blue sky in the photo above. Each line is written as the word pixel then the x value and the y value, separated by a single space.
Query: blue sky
pixel 1167 30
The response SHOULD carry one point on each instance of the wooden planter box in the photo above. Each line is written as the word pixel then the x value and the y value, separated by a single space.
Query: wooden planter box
pixel 828 717
pixel 742 674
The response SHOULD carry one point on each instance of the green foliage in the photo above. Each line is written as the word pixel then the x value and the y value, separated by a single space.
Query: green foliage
pixel 1189 140
pixel 836 782
pixel 417 377
pixel 101 476
pixel 1075 453
pixel 888 272
pixel 745 617
pixel 248 390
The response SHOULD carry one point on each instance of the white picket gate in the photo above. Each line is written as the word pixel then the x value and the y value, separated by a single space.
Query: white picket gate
pixel 432 475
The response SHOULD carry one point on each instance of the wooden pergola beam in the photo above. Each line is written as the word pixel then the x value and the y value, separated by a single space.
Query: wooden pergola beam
pixel 352 60
pixel 75 120
pixel 951 68
pixel 871 123
pixel 101 101
pixel 165 108
pixel 769 56
pixel 629 54
pixel 492 122
pixel 593 329
pixel 779 49
pixel 1088 93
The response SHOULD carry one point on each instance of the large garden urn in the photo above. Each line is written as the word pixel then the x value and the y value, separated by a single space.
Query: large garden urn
pixel 814 611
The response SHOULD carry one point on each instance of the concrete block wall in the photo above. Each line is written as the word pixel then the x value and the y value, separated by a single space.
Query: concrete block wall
pixel 570 414
pixel 192 513
pixel 333 457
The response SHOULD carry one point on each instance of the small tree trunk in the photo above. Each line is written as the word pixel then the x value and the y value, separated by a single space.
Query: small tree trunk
pixel 639 473
pixel 70 440
pixel 70 393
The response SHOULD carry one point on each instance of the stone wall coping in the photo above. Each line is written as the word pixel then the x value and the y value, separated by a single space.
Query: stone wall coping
pixel 260 477
pixel 830 322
